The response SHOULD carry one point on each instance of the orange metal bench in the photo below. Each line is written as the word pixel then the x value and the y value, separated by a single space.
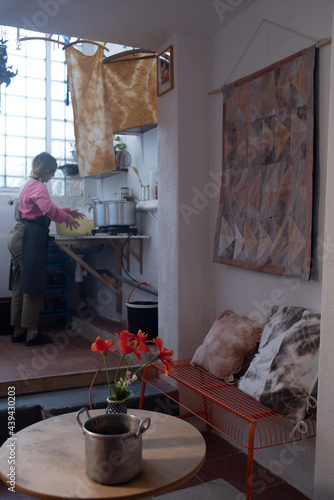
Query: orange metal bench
pixel 225 408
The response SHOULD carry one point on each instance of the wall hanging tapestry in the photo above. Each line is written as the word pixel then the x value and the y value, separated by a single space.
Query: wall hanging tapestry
pixel 131 80
pixel 91 110
pixel 265 213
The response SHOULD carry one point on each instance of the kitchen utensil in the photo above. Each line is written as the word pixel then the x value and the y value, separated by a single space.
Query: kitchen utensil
pixel 85 228
pixel 135 169
pixel 113 446
pixel 122 159
pixel 99 213
pixel 121 213
pixel 69 169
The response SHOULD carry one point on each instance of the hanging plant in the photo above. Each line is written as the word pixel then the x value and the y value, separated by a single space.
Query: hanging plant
pixel 6 73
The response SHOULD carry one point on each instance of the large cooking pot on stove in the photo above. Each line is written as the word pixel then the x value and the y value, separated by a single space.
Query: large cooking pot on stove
pixel 114 213
pixel 121 213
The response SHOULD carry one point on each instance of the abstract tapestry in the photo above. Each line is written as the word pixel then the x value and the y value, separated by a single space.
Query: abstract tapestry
pixel 264 221
pixel 91 110
pixel 131 81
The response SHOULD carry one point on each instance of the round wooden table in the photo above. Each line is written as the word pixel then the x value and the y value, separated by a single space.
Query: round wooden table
pixel 49 459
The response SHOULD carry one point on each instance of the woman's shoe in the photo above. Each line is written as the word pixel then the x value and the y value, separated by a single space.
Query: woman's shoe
pixel 19 337
pixel 36 338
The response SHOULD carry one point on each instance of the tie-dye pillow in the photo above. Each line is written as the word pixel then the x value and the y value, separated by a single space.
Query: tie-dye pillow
pixel 230 339
pixel 283 375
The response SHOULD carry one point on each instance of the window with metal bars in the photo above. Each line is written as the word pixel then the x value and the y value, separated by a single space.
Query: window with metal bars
pixel 34 114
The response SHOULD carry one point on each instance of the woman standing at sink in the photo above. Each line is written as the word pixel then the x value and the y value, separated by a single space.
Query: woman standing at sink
pixel 28 245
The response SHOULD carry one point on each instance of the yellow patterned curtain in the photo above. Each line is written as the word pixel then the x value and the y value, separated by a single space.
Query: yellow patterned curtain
pixel 91 110
pixel 131 80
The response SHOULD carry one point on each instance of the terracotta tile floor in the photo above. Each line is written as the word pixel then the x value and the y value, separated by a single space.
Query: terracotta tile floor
pixel 67 354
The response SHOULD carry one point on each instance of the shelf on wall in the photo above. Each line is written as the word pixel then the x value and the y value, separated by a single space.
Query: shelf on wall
pixel 103 175
pixel 137 130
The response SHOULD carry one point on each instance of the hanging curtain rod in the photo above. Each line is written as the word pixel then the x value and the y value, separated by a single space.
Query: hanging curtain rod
pixel 105 61
pixel 62 43
pixel 115 58
pixel 319 44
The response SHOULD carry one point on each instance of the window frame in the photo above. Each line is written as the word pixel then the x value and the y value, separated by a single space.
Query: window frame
pixel 50 120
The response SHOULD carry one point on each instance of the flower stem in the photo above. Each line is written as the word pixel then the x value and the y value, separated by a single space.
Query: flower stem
pixel 119 364
pixel 130 361
pixel 107 373
pixel 144 366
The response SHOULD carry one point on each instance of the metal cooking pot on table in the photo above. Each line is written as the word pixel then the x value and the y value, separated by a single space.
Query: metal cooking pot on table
pixel 121 213
pixel 99 213
pixel 113 446
pixel 114 213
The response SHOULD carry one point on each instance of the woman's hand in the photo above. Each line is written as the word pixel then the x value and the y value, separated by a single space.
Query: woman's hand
pixel 71 222
pixel 76 214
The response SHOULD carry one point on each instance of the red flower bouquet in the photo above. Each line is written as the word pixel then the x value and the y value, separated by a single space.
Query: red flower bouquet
pixel 132 345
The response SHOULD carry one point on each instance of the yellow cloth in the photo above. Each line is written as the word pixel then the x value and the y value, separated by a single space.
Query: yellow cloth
pixel 91 110
pixel 132 90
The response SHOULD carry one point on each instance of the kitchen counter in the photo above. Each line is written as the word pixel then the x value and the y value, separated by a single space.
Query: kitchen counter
pixel 120 243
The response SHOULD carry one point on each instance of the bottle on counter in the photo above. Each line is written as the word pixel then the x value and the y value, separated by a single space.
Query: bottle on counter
pixel 145 193
pixel 126 194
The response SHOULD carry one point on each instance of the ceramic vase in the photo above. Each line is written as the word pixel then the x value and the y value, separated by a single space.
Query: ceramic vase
pixel 115 407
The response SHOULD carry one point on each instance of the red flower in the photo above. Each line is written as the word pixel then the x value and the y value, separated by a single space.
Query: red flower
pixel 103 346
pixel 141 342
pixel 165 355
pixel 126 342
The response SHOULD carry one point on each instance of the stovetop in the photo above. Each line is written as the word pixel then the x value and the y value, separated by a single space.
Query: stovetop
pixel 112 230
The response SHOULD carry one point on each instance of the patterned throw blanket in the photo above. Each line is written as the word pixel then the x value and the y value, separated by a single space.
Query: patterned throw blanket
pixel 284 373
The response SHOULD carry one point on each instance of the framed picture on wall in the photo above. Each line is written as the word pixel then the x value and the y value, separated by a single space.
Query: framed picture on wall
pixel 165 76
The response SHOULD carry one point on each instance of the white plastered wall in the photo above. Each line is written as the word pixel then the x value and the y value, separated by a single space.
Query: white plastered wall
pixel 192 289
pixel 324 477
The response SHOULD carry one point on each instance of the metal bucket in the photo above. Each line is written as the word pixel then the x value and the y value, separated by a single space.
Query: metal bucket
pixel 113 446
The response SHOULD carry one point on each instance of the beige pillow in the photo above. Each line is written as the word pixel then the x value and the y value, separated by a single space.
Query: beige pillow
pixel 229 340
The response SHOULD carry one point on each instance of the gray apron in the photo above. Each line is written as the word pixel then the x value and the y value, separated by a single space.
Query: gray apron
pixel 34 253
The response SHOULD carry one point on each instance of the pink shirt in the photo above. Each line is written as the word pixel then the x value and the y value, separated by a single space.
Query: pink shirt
pixel 35 201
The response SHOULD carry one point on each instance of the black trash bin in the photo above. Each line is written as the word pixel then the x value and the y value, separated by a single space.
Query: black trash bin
pixel 143 315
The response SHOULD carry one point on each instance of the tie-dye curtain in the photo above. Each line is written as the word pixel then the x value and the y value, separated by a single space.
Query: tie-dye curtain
pixel 91 109
pixel 131 81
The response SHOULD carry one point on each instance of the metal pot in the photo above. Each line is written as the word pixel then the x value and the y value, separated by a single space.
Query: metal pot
pixel 99 213
pixel 121 213
pixel 113 446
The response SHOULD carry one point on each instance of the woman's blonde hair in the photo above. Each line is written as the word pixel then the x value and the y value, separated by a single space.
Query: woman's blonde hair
pixel 42 164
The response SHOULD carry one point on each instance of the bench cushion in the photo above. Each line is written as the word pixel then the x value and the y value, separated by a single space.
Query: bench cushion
pixel 283 374
pixel 230 339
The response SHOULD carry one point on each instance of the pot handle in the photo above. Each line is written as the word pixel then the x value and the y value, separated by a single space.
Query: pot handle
pixel 134 434
pixel 96 200
pixel 144 425
pixel 84 409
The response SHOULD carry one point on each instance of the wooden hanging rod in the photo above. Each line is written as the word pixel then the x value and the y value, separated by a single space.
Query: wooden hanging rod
pixel 106 59
pixel 321 43
pixel 134 52
pixel 86 41
pixel 65 45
